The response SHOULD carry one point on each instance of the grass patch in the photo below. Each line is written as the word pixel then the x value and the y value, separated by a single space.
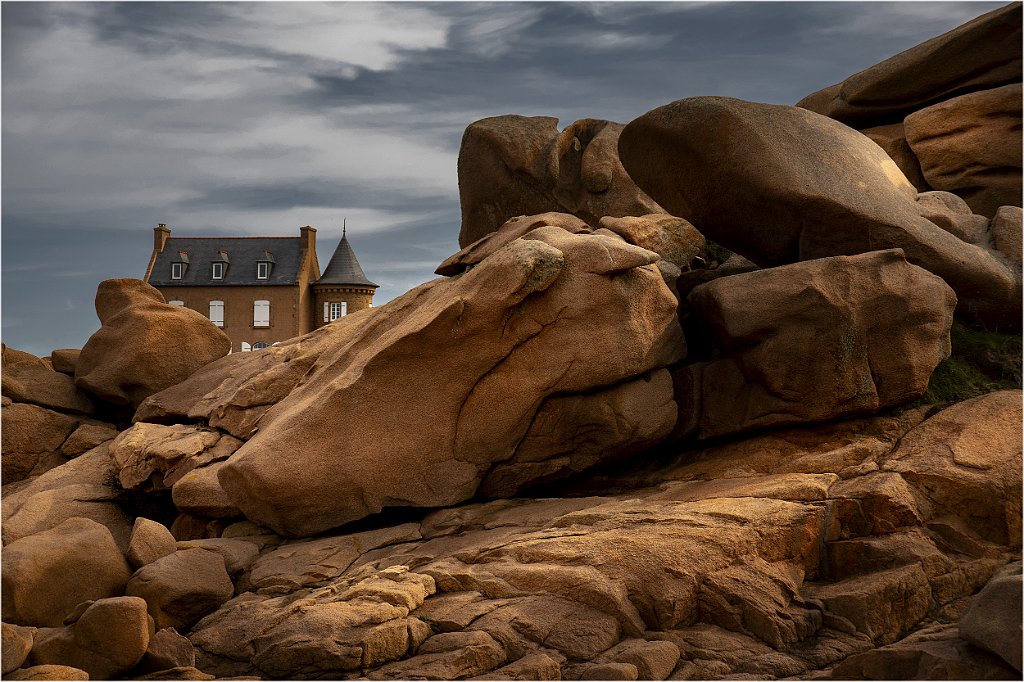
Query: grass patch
pixel 981 362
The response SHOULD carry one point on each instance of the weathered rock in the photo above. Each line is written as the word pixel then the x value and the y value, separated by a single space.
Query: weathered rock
pixel 983 53
pixel 362 622
pixel 971 145
pixel 781 184
pixel 199 492
pixel 27 379
pixel 143 345
pixel 573 433
pixel 184 672
pixel 181 588
pixel 151 453
pixel 993 620
pixel 966 461
pixel 892 139
pixel 188 527
pixel 519 165
pixel 934 653
pixel 530 667
pixel 512 229
pixel 149 541
pixel 674 239
pixel 652 660
pixel 884 605
pixel 238 554
pixel 167 649
pixel 47 574
pixel 15 646
pixel 86 437
pixel 64 360
pixel 83 487
pixel 953 215
pixel 510 330
pixel 833 310
pixel 49 672
pixel 447 656
pixel 109 639
pixel 1006 233
pixel 32 439
pixel 312 562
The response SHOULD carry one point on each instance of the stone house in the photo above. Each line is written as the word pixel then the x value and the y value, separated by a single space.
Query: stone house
pixel 259 290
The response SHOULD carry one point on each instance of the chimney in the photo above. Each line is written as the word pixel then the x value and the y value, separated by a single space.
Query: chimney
pixel 308 255
pixel 160 235
pixel 308 237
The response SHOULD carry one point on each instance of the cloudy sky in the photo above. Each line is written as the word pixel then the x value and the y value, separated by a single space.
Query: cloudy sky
pixel 256 118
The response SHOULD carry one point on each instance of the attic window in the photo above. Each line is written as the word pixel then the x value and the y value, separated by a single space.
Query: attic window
pixel 220 264
pixel 179 266
pixel 264 265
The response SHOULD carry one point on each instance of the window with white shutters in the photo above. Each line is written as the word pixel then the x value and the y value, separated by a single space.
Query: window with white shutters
pixel 217 313
pixel 261 314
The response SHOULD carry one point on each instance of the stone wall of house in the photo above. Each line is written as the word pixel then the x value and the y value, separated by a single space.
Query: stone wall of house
pixel 285 313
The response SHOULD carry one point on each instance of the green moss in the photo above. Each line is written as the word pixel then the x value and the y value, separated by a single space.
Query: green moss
pixel 715 252
pixel 981 362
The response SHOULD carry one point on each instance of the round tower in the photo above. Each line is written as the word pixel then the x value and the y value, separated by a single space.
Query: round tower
pixel 342 288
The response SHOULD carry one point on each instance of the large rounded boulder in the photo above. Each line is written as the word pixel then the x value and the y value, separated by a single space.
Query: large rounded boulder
pixel 144 345
pixel 780 184
pixel 522 165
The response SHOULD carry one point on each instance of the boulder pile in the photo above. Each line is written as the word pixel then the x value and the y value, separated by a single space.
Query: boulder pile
pixel 947 111
pixel 597 446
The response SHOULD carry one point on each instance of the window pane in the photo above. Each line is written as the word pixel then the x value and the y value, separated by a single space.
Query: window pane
pixel 257 346
pixel 176 270
pixel 335 311
pixel 262 270
pixel 217 313
pixel 218 271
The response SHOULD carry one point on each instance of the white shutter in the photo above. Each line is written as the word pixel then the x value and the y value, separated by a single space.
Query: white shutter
pixel 327 312
pixel 217 313
pixel 344 308
pixel 261 314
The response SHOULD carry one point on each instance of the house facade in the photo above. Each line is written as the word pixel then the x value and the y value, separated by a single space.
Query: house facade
pixel 259 290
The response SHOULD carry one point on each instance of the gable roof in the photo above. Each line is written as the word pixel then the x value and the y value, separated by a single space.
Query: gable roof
pixel 242 254
pixel 344 268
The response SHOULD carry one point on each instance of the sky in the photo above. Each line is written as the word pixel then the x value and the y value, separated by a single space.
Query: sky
pixel 257 118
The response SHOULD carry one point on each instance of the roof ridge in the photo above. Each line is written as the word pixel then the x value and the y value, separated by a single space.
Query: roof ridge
pixel 243 237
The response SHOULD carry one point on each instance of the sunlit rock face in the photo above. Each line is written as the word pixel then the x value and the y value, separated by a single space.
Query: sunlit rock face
pixel 461 382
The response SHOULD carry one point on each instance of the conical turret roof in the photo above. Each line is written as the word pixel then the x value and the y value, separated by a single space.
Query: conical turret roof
pixel 344 267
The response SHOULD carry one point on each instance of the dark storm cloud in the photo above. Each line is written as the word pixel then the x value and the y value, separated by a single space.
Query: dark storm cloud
pixel 312 193
pixel 241 118
pixel 621 62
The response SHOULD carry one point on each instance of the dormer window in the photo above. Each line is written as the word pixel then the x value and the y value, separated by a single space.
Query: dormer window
pixel 179 266
pixel 220 264
pixel 264 265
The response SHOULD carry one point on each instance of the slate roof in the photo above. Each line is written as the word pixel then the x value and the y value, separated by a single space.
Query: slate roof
pixel 242 254
pixel 344 268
